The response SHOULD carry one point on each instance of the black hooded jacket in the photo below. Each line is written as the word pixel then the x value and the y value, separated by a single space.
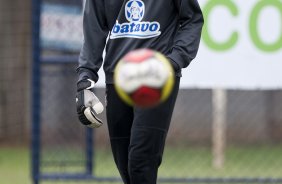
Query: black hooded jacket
pixel 172 27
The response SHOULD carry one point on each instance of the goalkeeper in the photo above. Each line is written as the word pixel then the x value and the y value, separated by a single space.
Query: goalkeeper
pixel 172 27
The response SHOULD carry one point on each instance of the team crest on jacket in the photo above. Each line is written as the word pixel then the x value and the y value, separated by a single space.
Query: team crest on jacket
pixel 135 27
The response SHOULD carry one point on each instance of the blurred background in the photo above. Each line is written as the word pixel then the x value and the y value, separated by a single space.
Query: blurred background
pixel 227 123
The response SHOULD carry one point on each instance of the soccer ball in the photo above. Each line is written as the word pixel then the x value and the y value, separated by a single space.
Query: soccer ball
pixel 144 78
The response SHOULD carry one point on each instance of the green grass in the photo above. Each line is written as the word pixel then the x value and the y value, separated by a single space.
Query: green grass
pixel 14 166
pixel 260 161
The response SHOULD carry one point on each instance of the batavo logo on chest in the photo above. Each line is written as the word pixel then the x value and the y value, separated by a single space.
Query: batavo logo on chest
pixel 135 27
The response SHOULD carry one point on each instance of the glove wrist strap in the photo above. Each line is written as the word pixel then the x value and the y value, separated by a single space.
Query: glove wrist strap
pixel 85 84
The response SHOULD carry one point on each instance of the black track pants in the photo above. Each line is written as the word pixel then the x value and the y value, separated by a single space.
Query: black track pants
pixel 138 136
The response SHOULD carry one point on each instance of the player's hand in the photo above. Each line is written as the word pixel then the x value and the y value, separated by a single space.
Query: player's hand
pixel 88 106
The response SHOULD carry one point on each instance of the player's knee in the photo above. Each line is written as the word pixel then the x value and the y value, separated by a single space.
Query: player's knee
pixel 146 144
pixel 139 165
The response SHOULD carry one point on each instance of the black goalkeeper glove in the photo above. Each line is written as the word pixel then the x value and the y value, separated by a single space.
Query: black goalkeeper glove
pixel 87 104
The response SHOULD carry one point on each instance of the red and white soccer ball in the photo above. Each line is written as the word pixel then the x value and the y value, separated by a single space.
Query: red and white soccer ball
pixel 144 78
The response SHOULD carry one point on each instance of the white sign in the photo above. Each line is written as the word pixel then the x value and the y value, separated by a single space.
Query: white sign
pixel 241 46
pixel 61 27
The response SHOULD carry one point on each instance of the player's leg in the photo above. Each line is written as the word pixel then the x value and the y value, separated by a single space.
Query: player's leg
pixel 119 118
pixel 147 141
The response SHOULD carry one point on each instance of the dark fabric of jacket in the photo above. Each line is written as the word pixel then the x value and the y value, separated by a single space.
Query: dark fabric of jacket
pixel 172 27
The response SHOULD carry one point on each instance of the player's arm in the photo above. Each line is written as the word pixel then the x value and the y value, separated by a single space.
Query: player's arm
pixel 187 39
pixel 95 32
pixel 90 60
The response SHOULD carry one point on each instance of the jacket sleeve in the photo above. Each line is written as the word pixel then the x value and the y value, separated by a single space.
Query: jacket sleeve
pixel 187 39
pixel 95 32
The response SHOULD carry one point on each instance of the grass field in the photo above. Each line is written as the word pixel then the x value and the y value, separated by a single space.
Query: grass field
pixel 263 161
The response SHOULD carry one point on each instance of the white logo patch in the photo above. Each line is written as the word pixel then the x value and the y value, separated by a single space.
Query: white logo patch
pixel 135 28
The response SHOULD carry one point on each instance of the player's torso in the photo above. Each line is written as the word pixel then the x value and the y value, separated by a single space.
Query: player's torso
pixel 136 18
pixel 135 24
